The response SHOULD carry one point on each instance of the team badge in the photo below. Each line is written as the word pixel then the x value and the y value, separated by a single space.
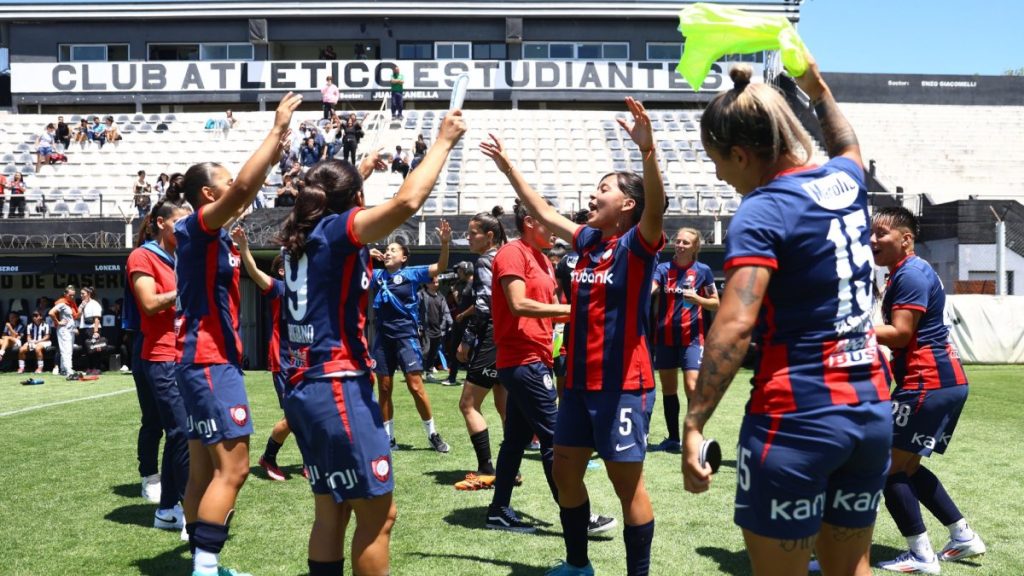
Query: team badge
pixel 239 414
pixel 398 279
pixel 547 381
pixel 381 468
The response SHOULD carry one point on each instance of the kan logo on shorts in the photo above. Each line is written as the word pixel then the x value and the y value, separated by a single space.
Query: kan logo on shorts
pixel 381 468
pixel 239 414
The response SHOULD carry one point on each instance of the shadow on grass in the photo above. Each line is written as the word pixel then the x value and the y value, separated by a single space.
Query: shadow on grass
pixel 174 561
pixel 729 562
pixel 446 477
pixel 515 568
pixel 133 490
pixel 133 515
pixel 475 518
pixel 290 472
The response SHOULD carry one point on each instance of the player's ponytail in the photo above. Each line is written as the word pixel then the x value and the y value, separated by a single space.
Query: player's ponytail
pixel 164 208
pixel 332 187
pixel 491 222
pixel 197 177
pixel 310 207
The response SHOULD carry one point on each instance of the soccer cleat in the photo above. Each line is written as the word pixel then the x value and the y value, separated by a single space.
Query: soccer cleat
pixel 960 549
pixel 21 370
pixel 910 563
pixel 475 481
pixel 393 443
pixel 270 467
pixel 504 518
pixel 667 445
pixel 563 568
pixel 438 444
pixel 125 369
pixel 39 370
pixel 599 524
pixel 151 488
pixel 169 519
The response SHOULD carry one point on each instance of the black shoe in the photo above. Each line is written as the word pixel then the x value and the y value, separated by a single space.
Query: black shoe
pixel 394 443
pixel 438 443
pixel 599 524
pixel 504 518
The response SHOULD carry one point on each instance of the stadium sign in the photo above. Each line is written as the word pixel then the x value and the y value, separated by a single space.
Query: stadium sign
pixel 356 77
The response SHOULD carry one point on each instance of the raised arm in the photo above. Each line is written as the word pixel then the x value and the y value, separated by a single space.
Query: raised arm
pixel 252 175
pixel 262 280
pixel 444 230
pixel 377 222
pixel 559 225
pixel 724 349
pixel 840 140
pixel 642 134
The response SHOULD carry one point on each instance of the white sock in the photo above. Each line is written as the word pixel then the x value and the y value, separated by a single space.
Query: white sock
pixel 959 530
pixel 428 425
pixel 387 428
pixel 205 563
pixel 21 364
pixel 921 546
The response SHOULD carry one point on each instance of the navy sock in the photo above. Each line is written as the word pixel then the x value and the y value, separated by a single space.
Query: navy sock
pixel 672 415
pixel 574 532
pixel 903 505
pixel 326 568
pixel 638 548
pixel 482 446
pixel 271 450
pixel 190 529
pixel 209 536
pixel 933 495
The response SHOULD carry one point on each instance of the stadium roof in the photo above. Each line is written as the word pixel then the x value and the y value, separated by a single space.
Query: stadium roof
pixel 13 10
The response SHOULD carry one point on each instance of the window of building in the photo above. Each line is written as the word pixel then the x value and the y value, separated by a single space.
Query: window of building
pixel 575 51
pixel 490 51
pixel 93 53
pixel 452 50
pixel 226 52
pixel 670 51
pixel 191 52
pixel 755 58
pixel 416 51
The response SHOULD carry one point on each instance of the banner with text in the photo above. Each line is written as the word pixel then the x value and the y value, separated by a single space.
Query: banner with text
pixel 356 78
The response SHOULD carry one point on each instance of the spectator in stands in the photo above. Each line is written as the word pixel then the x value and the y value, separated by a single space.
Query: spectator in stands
pixel 437 319
pixel 141 191
pixel 329 97
pixel 400 162
pixel 334 124
pixel 174 187
pixel 397 94
pixel 327 53
pixel 289 159
pixel 229 121
pixel 162 182
pixel 37 340
pixel 64 314
pixel 45 143
pixel 97 132
pixel 311 152
pixel 13 335
pixel 419 149
pixel 17 188
pixel 110 130
pixel 81 135
pixel 353 133
pixel 63 133
pixel 287 192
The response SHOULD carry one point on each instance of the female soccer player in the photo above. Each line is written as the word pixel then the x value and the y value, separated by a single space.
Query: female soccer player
pixel 396 306
pixel 813 447
pixel 209 348
pixel 330 404
pixel 273 289
pixel 524 306
pixel 685 288
pixel 931 390
pixel 607 396
pixel 153 290
pixel 476 352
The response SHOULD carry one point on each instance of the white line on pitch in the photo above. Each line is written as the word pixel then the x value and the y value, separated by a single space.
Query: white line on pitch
pixel 31 408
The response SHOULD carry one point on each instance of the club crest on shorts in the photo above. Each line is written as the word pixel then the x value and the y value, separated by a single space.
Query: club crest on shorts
pixel 381 468
pixel 239 414
pixel 547 381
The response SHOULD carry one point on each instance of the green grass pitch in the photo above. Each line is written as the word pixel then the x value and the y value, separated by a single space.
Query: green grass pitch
pixel 69 492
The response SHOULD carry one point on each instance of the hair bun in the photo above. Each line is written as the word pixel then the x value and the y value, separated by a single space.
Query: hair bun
pixel 497 211
pixel 741 74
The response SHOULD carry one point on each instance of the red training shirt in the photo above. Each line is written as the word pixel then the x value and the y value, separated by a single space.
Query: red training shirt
pixel 158 341
pixel 522 340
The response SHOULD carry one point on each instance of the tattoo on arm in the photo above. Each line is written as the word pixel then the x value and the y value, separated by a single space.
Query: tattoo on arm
pixel 839 135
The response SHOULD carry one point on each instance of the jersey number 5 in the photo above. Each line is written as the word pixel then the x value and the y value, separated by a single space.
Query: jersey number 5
pixel 851 253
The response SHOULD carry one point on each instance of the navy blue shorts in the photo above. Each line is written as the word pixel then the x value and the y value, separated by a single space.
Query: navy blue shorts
pixel 214 395
pixel 795 470
pixel 614 423
pixel 673 357
pixel 340 433
pixel 390 354
pixel 280 386
pixel 923 421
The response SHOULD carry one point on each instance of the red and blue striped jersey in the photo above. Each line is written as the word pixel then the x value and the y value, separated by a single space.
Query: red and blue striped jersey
pixel 275 293
pixel 326 294
pixel 206 265
pixel 611 299
pixel 680 323
pixel 929 361
pixel 816 342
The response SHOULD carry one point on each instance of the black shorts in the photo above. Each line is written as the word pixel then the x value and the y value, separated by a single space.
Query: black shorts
pixel 482 369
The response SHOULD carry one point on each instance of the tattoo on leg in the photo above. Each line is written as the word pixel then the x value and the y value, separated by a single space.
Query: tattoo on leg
pixel 840 534
pixel 798 544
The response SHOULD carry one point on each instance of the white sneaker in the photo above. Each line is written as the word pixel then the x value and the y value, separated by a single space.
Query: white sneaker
pixel 169 519
pixel 151 488
pixel 959 549
pixel 56 370
pixel 910 563
pixel 125 369
pixel 184 533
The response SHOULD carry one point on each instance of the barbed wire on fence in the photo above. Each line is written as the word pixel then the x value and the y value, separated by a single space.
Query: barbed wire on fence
pixel 63 240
